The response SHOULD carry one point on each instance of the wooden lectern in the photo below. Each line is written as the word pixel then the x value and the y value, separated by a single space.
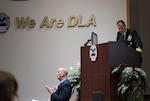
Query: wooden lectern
pixel 96 76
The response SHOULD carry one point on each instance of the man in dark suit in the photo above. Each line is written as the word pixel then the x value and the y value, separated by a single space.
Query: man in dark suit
pixel 129 37
pixel 63 91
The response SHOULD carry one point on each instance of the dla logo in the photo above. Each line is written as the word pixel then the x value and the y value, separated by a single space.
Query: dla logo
pixel 93 53
pixel 4 22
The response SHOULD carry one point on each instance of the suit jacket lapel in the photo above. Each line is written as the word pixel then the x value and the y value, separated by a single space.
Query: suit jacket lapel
pixel 59 87
pixel 127 34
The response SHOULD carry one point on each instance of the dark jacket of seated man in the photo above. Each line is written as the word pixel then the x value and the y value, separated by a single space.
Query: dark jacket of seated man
pixel 63 93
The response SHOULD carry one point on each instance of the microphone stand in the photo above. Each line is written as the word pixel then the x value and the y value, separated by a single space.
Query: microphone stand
pixel 87 42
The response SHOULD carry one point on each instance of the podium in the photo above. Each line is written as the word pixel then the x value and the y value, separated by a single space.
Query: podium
pixel 96 76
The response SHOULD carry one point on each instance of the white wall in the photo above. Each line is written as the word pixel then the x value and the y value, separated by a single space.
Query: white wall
pixel 34 55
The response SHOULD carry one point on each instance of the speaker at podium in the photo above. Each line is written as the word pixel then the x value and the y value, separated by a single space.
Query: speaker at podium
pixel 109 55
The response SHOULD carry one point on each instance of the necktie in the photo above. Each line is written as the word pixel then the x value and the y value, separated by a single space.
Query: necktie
pixel 123 37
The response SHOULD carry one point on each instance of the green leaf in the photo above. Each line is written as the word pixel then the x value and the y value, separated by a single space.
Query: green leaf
pixel 142 72
pixel 127 70
pixel 115 70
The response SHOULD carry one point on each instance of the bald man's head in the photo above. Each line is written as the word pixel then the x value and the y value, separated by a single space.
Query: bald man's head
pixel 62 73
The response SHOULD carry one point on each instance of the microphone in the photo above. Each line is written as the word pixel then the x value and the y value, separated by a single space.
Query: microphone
pixel 87 42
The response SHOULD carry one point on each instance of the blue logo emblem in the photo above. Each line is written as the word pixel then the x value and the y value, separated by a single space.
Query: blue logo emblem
pixel 93 53
pixel 4 22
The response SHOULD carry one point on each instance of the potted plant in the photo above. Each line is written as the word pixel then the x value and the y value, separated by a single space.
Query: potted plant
pixel 131 82
pixel 75 81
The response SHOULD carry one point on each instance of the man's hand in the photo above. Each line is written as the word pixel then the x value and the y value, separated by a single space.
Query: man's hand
pixel 139 49
pixel 51 89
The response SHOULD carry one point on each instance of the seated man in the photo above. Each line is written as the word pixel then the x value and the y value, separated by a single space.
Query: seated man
pixel 63 91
